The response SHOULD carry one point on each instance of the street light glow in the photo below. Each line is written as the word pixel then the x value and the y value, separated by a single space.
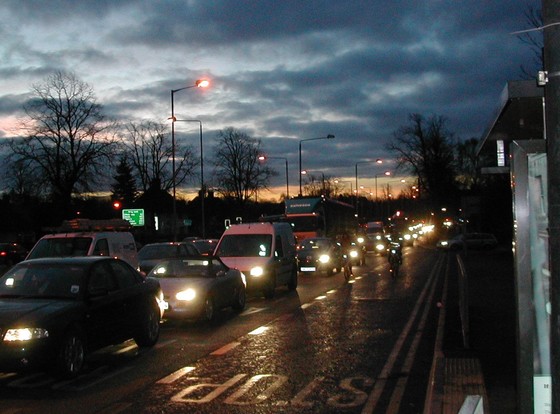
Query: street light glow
pixel 202 83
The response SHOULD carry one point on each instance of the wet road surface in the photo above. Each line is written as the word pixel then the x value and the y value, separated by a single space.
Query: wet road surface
pixel 359 347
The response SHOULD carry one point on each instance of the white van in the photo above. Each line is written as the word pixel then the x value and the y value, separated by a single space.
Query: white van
pixel 264 252
pixel 119 244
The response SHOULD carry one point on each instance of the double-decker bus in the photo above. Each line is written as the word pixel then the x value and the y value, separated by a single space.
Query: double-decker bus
pixel 319 217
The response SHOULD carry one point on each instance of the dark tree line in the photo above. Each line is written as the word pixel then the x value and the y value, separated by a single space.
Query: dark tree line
pixel 67 149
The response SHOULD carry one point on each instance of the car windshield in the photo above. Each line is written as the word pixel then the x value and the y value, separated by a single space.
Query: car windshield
pixel 162 251
pixel 245 245
pixel 42 280
pixel 204 246
pixel 182 268
pixel 61 247
pixel 314 244
pixel 305 223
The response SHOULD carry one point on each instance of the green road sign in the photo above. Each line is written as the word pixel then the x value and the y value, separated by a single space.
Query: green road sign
pixel 135 216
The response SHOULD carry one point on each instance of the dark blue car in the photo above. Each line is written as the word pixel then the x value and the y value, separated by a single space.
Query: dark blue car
pixel 54 311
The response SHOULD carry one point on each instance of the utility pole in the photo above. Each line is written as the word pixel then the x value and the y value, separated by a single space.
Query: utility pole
pixel 551 29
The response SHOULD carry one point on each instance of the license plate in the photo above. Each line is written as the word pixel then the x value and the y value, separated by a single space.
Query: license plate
pixel 308 269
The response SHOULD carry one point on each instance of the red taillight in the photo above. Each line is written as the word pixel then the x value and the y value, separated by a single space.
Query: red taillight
pixel 3 253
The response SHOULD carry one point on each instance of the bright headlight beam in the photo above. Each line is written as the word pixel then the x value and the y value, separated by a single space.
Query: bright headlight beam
pixel 25 334
pixel 186 295
pixel 256 271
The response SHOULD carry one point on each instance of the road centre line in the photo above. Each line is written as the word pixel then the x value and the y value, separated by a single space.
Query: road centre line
pixel 389 365
pixel 226 348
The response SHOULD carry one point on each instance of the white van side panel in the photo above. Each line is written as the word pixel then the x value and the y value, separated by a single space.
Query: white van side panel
pixel 120 244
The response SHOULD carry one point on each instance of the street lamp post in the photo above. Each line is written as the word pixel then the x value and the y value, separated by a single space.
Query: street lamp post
pixel 202 188
pixel 388 183
pixel 201 83
pixel 330 136
pixel 377 161
pixel 322 177
pixel 341 182
pixel 265 157
pixel 386 173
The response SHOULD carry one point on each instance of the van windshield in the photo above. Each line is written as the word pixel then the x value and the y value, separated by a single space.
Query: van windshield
pixel 245 245
pixel 61 247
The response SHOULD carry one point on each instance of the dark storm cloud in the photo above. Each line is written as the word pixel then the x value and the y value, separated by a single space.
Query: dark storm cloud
pixel 57 10
pixel 282 70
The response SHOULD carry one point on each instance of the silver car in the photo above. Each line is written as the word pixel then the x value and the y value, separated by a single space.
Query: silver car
pixel 198 287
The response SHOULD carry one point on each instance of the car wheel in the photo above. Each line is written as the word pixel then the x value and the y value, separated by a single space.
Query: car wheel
pixel 268 291
pixel 209 311
pixel 292 284
pixel 149 334
pixel 71 355
pixel 240 299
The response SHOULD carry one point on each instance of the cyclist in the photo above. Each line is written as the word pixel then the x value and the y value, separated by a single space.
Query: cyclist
pixel 346 243
pixel 394 254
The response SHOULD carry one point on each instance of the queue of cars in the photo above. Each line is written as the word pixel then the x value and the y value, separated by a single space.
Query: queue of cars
pixel 82 289
pixel 77 292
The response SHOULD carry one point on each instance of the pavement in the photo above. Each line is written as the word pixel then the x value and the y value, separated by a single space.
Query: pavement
pixel 476 358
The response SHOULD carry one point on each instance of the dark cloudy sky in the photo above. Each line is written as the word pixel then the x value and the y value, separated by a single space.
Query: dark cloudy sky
pixel 281 70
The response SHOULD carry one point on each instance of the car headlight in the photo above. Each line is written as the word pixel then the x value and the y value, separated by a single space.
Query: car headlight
pixel 160 270
pixel 186 295
pixel 360 240
pixel 256 271
pixel 380 247
pixel 324 258
pixel 444 243
pixel 25 334
pixel 353 253
pixel 407 236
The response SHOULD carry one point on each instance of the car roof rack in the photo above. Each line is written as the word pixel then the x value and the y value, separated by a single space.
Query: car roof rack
pixel 81 225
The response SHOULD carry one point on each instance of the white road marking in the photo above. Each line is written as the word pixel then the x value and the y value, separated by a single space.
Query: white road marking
pixel 175 376
pixel 226 348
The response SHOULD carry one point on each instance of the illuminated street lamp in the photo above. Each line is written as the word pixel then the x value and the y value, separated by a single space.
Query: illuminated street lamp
pixel 342 182
pixel 330 136
pixel 386 173
pixel 377 161
pixel 201 83
pixel 304 172
pixel 265 157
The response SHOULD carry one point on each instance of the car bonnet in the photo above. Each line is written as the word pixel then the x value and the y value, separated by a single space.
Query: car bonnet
pixel 26 310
